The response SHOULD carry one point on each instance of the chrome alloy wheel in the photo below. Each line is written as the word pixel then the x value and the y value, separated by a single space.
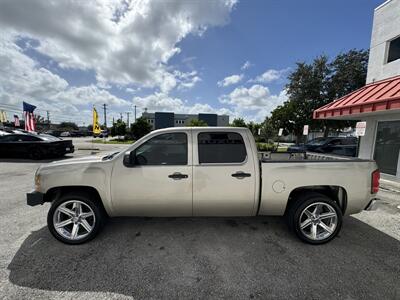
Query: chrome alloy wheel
pixel 74 219
pixel 318 221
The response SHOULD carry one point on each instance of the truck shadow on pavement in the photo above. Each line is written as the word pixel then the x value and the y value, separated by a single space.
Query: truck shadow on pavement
pixel 213 258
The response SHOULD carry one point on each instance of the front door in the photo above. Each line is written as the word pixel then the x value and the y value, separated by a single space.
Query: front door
pixel 224 178
pixel 160 183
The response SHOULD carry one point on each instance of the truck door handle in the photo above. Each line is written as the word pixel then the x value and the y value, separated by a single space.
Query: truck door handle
pixel 177 176
pixel 241 175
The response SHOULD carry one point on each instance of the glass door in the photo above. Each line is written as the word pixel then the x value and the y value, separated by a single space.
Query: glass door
pixel 387 146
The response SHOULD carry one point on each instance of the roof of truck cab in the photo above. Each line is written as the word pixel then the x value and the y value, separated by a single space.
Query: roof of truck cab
pixel 207 128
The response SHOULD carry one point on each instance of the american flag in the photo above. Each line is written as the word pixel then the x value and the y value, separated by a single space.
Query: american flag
pixel 16 121
pixel 29 117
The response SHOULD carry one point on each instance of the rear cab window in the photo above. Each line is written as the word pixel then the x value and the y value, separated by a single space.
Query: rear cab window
pixel 221 148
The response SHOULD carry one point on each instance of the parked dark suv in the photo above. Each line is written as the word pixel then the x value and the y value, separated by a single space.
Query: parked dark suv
pixel 346 146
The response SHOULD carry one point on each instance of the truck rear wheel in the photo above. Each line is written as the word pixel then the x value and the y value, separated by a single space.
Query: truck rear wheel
pixel 75 218
pixel 315 218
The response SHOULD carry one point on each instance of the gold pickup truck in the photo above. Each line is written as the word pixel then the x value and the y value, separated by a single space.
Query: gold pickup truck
pixel 203 171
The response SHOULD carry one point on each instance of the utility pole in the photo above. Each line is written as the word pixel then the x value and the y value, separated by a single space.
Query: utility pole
pixel 135 113
pixel 48 119
pixel 105 114
pixel 127 118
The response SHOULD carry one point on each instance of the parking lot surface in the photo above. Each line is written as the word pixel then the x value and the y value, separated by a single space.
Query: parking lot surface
pixel 197 258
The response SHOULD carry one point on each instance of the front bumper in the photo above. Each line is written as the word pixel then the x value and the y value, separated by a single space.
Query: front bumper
pixel 34 198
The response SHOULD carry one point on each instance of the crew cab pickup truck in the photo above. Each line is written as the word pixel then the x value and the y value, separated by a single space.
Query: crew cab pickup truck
pixel 203 171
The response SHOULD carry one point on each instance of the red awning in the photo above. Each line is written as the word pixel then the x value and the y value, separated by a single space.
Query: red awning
pixel 378 96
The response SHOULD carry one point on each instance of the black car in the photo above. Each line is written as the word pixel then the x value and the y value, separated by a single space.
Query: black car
pixel 34 146
pixel 346 146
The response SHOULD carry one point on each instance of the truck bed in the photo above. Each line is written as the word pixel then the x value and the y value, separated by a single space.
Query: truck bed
pixel 283 173
pixel 301 156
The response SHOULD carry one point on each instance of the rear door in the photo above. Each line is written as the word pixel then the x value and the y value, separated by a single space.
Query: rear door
pixel 224 176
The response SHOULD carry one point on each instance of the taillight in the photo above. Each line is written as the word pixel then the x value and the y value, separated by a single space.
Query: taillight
pixel 376 175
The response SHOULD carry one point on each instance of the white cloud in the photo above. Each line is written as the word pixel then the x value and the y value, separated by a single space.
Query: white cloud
pixel 22 79
pixel 233 79
pixel 186 80
pixel 124 42
pixel 163 102
pixel 270 75
pixel 253 103
pixel 246 65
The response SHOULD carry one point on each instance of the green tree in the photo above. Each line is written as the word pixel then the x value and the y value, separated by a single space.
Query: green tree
pixel 68 126
pixel 267 130
pixel 316 84
pixel 140 128
pixel 238 122
pixel 197 123
pixel 253 128
pixel 118 128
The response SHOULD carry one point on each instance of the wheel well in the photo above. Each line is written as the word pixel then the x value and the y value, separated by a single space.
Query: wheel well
pixel 56 192
pixel 336 193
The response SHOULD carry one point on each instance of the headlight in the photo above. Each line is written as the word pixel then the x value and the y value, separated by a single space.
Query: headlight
pixel 37 181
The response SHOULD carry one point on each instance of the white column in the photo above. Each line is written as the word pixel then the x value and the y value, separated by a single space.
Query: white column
pixel 367 142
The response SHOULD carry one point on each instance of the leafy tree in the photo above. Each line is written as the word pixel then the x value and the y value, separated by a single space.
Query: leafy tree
pixel 68 126
pixel 349 71
pixel 238 122
pixel 90 128
pixel 254 127
pixel 197 123
pixel 118 128
pixel 267 130
pixel 316 84
pixel 140 128
pixel 39 119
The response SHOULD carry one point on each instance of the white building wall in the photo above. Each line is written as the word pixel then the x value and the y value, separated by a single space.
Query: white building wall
pixel 386 26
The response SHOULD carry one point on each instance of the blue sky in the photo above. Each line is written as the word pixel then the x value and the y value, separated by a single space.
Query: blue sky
pixel 186 57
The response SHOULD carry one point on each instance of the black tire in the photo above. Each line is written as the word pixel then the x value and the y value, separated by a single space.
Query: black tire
pixel 294 214
pixel 90 201
pixel 35 153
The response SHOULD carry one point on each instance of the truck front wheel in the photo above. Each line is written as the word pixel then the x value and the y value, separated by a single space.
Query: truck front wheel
pixel 75 218
pixel 315 218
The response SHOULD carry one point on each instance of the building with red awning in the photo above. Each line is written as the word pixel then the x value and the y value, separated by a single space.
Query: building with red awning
pixel 378 102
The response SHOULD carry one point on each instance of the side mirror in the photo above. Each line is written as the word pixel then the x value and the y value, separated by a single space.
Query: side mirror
pixel 129 158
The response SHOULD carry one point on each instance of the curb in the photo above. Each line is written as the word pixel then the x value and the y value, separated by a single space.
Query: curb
pixel 95 149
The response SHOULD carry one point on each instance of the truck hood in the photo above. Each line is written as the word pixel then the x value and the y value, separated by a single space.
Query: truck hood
pixel 74 161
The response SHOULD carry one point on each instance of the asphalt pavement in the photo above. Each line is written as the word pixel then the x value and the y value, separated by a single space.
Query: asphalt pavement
pixel 196 258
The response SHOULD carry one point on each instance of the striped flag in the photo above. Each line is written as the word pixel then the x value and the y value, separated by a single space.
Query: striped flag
pixel 29 117
pixel 16 121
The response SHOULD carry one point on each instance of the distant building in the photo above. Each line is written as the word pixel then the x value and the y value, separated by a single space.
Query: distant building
pixel 377 103
pixel 160 120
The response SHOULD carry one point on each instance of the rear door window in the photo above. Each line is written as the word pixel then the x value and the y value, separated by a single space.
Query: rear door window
pixel 221 147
